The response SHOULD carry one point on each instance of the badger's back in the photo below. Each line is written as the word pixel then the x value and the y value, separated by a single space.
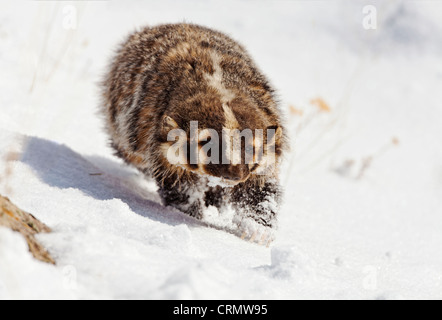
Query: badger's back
pixel 157 68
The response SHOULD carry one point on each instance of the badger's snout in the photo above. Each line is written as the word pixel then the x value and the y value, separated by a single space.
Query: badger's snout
pixel 231 173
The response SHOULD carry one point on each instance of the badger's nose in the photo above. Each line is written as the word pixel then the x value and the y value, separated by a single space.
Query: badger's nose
pixel 235 173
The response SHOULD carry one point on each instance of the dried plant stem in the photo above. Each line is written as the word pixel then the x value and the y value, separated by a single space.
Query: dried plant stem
pixel 20 221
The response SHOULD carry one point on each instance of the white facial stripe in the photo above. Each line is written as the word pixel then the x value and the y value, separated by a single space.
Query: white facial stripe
pixel 231 122
pixel 215 80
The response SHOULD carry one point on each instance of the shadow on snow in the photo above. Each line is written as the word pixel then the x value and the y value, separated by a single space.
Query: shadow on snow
pixel 61 167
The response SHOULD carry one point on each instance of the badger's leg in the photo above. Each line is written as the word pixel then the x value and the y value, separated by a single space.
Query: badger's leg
pixel 182 196
pixel 215 196
pixel 257 206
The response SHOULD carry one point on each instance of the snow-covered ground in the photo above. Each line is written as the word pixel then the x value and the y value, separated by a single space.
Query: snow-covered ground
pixel 362 216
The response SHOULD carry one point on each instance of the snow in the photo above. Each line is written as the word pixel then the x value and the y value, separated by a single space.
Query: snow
pixel 217 181
pixel 27 272
pixel 362 212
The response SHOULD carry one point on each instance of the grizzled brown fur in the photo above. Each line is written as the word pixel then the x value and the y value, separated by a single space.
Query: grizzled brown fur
pixel 166 76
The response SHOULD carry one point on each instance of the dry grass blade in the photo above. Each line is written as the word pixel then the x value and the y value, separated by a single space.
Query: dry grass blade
pixel 20 221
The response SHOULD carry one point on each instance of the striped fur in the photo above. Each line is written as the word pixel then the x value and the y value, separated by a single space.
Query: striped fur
pixel 169 75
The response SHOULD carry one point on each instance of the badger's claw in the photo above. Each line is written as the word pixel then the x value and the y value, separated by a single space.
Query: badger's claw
pixel 254 232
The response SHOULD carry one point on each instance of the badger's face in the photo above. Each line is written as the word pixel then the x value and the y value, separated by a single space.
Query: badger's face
pixel 228 141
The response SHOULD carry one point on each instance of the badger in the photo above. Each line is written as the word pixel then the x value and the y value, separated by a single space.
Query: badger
pixel 187 107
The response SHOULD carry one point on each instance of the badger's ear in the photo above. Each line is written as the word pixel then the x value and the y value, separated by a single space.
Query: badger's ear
pixel 274 134
pixel 168 124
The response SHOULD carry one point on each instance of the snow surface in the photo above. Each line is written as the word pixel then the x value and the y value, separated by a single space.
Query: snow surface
pixel 362 217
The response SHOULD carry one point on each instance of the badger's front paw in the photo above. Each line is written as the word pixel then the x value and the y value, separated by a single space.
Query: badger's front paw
pixel 250 230
pixel 194 210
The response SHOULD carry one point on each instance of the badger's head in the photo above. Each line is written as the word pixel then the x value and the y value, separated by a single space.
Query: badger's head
pixel 227 140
